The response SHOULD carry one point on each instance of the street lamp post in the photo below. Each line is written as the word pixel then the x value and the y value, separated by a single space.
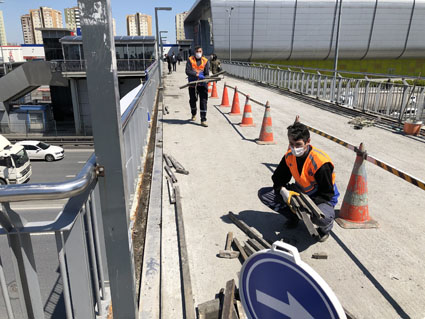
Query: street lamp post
pixel 160 39
pixel 336 52
pixel 230 45
pixel 157 42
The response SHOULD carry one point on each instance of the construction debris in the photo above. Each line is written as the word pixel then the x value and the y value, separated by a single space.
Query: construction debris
pixel 167 160
pixel 179 167
pixel 241 249
pixel 227 253
pixel 359 122
pixel 321 255
pixel 171 190
pixel 247 230
pixel 170 173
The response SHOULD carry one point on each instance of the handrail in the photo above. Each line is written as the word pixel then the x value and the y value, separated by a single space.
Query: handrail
pixel 261 64
pixel 44 191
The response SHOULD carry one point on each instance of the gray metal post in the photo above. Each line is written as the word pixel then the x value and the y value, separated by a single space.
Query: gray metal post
pixel 158 54
pixel 102 84
pixel 336 52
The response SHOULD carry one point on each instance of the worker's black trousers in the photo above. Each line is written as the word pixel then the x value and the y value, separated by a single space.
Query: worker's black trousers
pixel 202 91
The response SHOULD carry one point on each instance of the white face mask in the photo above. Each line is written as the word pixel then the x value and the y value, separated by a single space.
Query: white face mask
pixel 298 151
pixel 198 55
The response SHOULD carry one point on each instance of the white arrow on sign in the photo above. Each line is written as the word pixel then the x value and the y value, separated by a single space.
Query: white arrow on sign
pixel 293 309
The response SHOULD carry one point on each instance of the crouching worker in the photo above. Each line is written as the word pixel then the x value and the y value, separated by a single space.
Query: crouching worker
pixel 313 172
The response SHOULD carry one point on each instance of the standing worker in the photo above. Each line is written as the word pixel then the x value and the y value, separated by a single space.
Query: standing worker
pixel 168 60
pixel 197 67
pixel 314 175
pixel 215 64
pixel 174 61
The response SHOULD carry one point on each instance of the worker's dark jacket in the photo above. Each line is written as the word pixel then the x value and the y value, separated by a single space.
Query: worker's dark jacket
pixel 191 73
pixel 215 66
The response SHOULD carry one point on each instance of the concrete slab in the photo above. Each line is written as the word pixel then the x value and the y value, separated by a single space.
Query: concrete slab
pixel 375 273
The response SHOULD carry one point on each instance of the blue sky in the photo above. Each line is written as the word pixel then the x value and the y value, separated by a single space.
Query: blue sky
pixel 13 9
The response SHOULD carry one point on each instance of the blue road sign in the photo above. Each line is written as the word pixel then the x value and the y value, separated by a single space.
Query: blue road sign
pixel 275 283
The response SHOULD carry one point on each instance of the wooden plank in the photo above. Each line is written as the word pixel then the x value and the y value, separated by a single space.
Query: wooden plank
pixel 209 309
pixel 257 246
pixel 207 80
pixel 189 307
pixel 309 225
pixel 311 205
pixel 170 173
pixel 229 240
pixel 240 248
pixel 241 311
pixel 247 230
pixel 167 160
pixel 229 295
pixel 249 249
pixel 179 167
pixel 171 191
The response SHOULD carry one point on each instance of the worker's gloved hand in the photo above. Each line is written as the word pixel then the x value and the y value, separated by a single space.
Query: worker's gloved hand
pixel 201 75
pixel 285 194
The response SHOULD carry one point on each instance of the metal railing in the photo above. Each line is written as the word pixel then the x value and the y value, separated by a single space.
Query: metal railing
pixel 77 228
pixel 397 101
pixel 123 65
pixel 135 124
pixel 80 250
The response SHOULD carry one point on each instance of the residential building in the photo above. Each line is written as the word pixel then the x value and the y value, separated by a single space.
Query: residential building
pixel 3 40
pixel 43 17
pixel 180 26
pixel 72 18
pixel 139 24
pixel 27 30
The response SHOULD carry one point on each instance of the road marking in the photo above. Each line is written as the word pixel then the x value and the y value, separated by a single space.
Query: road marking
pixel 293 309
pixel 70 175
pixel 76 150
pixel 81 162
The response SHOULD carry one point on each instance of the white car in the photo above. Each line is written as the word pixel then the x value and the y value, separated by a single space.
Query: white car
pixel 41 150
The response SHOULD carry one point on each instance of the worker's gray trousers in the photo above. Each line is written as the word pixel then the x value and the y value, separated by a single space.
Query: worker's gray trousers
pixel 269 198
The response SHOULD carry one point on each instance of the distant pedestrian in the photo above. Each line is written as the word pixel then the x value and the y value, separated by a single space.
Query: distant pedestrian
pixel 179 58
pixel 168 60
pixel 215 64
pixel 197 67
pixel 174 61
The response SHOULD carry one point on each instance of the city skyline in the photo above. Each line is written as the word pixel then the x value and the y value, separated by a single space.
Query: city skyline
pixel 120 9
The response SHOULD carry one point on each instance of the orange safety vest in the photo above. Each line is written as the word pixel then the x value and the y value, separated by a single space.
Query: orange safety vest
pixel 315 159
pixel 195 65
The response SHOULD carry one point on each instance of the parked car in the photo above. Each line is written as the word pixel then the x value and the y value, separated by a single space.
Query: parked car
pixel 42 150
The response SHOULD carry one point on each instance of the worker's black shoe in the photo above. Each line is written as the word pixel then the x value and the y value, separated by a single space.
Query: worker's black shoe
pixel 291 223
pixel 322 235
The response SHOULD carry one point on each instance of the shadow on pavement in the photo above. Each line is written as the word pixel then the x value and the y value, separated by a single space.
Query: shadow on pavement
pixel 270 166
pixel 372 279
pixel 234 126
pixel 270 225
pixel 180 122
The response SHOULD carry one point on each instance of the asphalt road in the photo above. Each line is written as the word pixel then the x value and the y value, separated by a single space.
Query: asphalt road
pixel 44 245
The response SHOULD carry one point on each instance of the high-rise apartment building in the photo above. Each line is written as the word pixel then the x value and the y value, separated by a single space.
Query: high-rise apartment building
pixel 72 18
pixel 3 40
pixel 139 24
pixel 43 17
pixel 27 30
pixel 180 26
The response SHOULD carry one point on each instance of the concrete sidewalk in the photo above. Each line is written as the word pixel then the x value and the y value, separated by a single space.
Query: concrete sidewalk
pixel 375 273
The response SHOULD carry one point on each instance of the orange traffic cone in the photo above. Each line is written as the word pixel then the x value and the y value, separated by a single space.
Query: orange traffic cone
pixel 247 114
pixel 209 87
pixel 236 110
pixel 214 94
pixel 354 211
pixel 225 99
pixel 266 133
